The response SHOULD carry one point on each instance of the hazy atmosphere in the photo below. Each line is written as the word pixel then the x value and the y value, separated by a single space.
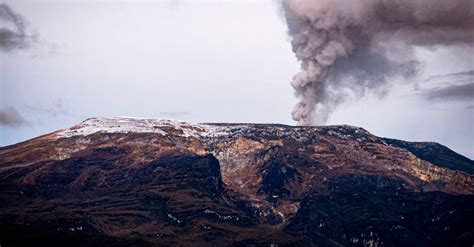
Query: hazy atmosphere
pixel 230 61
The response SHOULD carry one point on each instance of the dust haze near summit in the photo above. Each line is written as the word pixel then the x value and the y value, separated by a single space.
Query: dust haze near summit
pixel 10 117
pixel 347 48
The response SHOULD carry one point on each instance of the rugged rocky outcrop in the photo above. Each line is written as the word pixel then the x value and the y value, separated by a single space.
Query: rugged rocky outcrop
pixel 124 181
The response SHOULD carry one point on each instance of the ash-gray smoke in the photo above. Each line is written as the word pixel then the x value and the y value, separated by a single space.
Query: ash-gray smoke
pixel 349 47
pixel 13 31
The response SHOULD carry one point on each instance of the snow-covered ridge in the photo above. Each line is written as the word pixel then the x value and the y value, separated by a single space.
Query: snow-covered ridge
pixel 166 127
pixel 142 125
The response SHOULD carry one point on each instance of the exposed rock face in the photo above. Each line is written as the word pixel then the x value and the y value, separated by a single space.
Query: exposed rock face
pixel 123 181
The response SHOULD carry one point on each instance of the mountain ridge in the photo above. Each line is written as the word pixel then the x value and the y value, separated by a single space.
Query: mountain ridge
pixel 162 182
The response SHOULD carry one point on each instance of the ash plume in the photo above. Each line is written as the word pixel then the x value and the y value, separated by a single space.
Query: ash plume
pixel 348 48
pixel 13 31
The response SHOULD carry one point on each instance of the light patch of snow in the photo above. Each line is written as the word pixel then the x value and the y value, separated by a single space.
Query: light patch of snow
pixel 72 229
pixel 142 125
pixel 220 216
pixel 174 218
pixel 354 240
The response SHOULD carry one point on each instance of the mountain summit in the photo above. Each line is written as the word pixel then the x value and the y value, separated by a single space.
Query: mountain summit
pixel 146 182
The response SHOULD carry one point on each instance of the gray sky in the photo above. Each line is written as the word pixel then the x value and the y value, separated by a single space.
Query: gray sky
pixel 202 62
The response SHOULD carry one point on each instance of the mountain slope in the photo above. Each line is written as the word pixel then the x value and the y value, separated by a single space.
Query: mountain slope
pixel 436 154
pixel 159 182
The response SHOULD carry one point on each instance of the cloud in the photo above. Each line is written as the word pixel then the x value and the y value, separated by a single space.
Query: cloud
pixel 10 117
pixel 469 74
pixel 454 86
pixel 13 31
pixel 453 92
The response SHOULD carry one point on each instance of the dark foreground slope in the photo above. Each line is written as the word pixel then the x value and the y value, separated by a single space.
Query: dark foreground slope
pixel 139 182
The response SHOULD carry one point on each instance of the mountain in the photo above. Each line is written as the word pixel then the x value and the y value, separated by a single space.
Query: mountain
pixel 145 182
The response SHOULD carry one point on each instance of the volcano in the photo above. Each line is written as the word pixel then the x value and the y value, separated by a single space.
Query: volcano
pixel 146 182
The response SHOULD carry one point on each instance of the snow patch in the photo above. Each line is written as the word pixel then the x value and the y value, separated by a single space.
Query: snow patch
pixel 141 125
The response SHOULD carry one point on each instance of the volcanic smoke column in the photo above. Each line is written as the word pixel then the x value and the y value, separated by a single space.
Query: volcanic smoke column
pixel 347 48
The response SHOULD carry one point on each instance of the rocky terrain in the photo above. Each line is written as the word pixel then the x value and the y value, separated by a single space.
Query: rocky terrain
pixel 145 182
